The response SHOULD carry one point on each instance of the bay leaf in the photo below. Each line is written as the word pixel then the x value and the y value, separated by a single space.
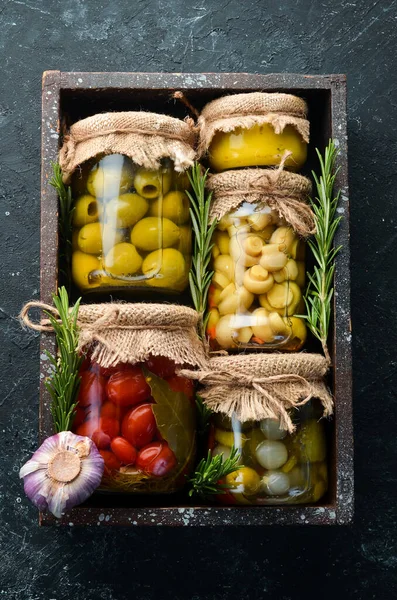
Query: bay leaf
pixel 175 417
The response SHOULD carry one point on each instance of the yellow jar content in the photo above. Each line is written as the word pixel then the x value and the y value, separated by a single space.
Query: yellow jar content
pixel 276 467
pixel 258 281
pixel 257 146
pixel 131 227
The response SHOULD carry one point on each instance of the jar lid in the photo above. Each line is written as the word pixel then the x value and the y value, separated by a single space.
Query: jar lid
pixel 143 136
pixel 254 108
pixel 258 386
pixel 283 191
pixel 131 333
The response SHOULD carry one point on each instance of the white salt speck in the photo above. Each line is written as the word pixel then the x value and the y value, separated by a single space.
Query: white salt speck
pixel 71 524
pixel 7 213
pixel 19 500
pixel 340 209
pixel 80 80
pixel 101 517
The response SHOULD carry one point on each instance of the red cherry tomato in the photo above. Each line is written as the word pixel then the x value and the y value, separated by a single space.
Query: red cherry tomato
pixel 156 459
pixel 161 366
pixel 180 384
pixel 88 428
pixel 92 389
pixel 139 426
pixel 109 426
pixel 110 410
pixel 123 451
pixel 108 371
pixel 128 387
pixel 111 461
pixel 101 439
pixel 226 498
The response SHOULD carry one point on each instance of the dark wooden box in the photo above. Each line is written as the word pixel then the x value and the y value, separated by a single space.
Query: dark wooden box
pixel 68 97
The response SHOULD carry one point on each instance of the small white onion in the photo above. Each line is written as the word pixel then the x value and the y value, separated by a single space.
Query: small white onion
pixel 221 449
pixel 275 483
pixel 271 454
pixel 271 429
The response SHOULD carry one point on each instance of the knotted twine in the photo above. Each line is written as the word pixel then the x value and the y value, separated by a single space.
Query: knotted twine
pixel 246 110
pixel 131 333
pixel 259 386
pixel 144 137
pixel 282 191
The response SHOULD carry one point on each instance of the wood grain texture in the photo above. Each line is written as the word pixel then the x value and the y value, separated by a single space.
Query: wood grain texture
pixel 357 38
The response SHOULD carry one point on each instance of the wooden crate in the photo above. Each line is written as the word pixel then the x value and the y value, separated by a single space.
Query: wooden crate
pixel 68 97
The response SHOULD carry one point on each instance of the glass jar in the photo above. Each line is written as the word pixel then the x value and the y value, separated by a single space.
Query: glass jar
pixel 276 467
pixel 142 419
pixel 259 277
pixel 257 146
pixel 131 227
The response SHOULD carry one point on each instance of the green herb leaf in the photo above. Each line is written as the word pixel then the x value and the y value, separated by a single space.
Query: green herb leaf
pixel 174 416
pixel 200 277
pixel 65 219
pixel 319 292
pixel 63 384
pixel 206 479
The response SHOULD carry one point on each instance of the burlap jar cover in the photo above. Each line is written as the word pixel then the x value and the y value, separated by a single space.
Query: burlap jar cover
pixel 260 386
pixel 131 333
pixel 144 137
pixel 282 191
pixel 246 110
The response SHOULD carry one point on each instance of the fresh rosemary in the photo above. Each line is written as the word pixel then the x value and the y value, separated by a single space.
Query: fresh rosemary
pixel 64 382
pixel 65 219
pixel 206 479
pixel 200 276
pixel 320 290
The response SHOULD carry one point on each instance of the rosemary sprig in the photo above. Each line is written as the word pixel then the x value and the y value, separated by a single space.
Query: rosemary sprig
pixel 205 481
pixel 203 416
pixel 63 384
pixel 65 216
pixel 320 290
pixel 199 276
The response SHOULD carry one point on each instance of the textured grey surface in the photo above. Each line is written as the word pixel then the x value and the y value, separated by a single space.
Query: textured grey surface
pixel 357 38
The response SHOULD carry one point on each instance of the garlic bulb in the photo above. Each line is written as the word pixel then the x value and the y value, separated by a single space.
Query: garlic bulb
pixel 62 473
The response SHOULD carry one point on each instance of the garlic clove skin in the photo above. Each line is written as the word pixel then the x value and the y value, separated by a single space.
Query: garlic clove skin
pixel 62 473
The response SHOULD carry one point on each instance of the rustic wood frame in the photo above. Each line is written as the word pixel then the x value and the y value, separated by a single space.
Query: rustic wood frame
pixel 61 90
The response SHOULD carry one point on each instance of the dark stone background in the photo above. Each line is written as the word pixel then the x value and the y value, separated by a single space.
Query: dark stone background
pixel 302 36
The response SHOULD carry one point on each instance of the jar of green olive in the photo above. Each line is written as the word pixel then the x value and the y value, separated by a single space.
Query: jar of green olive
pixel 258 260
pixel 131 221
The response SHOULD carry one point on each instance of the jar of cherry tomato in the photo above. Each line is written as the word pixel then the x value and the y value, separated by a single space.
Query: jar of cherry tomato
pixel 132 402
pixel 142 419
pixel 131 228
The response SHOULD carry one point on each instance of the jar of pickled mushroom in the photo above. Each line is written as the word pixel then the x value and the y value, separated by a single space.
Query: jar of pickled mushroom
pixel 131 221
pixel 258 259
pixel 269 408
pixel 254 129
pixel 135 407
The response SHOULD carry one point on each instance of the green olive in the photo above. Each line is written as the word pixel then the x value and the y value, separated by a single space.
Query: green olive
pixel 174 206
pixel 311 441
pixel 166 268
pixel 111 176
pixel 184 243
pixel 123 259
pixel 86 210
pixel 245 481
pixel 152 233
pixel 90 238
pixel 126 210
pixel 150 184
pixel 82 265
